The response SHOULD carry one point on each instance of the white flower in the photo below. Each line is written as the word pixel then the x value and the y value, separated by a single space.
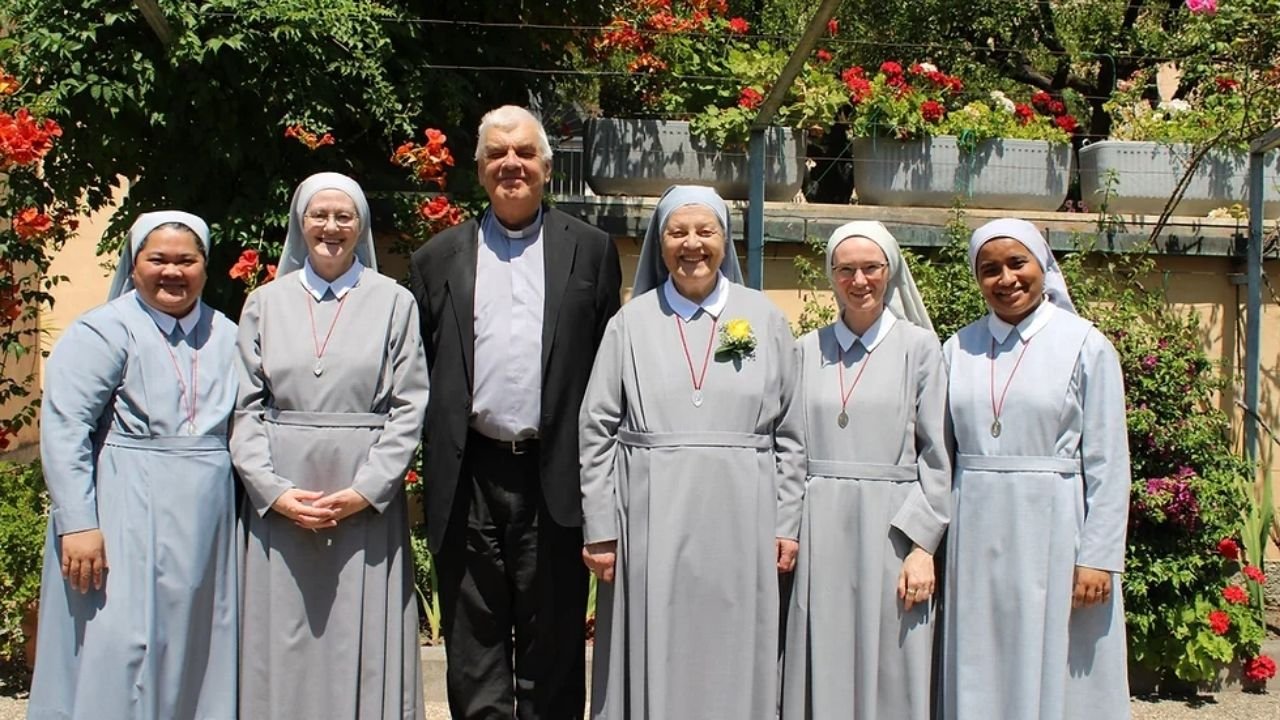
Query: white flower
pixel 1002 100
pixel 1174 107
pixel 928 67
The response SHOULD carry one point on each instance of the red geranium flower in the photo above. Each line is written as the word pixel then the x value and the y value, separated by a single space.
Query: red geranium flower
pixel 1228 549
pixel 1235 595
pixel 750 98
pixel 1254 574
pixel 1260 669
pixel 1219 622
pixel 1041 101
pixel 1066 123
pixel 833 26
pixel 824 55
pixel 739 26
pixel 932 111
pixel 1024 112
pixel 1226 84
pixel 891 69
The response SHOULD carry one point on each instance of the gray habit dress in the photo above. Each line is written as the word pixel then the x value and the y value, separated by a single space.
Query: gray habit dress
pixel 330 617
pixel 159 640
pixel 695 497
pixel 1051 492
pixel 875 487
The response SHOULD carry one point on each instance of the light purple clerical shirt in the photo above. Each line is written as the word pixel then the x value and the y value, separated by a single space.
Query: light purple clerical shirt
pixel 510 292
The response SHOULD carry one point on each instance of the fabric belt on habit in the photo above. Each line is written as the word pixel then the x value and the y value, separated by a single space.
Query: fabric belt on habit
pixel 863 471
pixel 698 438
pixel 1018 463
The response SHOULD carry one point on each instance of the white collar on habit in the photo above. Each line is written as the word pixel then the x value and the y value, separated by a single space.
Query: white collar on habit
pixel 1029 326
pixel 713 304
pixel 869 339
pixel 341 285
pixel 165 321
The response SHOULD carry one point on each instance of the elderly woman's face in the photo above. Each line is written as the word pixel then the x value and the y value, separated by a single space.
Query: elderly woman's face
pixel 170 271
pixel 693 246
pixel 861 271
pixel 331 225
pixel 1010 277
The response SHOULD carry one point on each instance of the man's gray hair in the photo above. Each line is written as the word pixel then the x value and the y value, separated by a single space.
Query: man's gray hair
pixel 507 118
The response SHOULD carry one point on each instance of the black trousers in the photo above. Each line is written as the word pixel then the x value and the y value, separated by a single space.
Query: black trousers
pixel 513 591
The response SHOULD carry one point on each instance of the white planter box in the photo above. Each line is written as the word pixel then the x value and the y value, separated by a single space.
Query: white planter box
pixel 999 174
pixel 645 157
pixel 1146 174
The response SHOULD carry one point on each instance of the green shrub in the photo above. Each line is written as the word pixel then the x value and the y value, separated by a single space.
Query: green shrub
pixel 23 516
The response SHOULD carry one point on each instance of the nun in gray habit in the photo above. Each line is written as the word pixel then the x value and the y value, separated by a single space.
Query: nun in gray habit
pixel 860 627
pixel 1034 622
pixel 333 391
pixel 138 596
pixel 691 479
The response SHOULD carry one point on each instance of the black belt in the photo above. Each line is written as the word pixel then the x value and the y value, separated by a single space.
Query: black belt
pixel 511 447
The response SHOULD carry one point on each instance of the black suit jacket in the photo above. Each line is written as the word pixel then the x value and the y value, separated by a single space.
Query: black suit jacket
pixel 583 287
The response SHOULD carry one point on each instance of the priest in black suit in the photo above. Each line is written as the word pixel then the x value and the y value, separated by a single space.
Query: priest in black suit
pixel 513 306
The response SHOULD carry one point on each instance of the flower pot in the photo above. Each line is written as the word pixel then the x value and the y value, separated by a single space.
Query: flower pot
pixel 645 157
pixel 1146 174
pixel 999 174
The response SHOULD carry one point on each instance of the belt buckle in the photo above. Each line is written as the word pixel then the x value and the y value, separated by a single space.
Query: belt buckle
pixel 516 449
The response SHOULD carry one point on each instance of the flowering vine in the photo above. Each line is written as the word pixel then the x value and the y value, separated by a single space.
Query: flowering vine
pixel 430 162
pixel 312 140
pixel 250 270
pixel 37 226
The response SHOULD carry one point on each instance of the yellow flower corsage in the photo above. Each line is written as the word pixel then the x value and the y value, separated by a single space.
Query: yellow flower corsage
pixel 737 340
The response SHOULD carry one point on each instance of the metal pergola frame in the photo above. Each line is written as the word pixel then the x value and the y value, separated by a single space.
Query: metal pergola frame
pixel 756 149
pixel 1253 320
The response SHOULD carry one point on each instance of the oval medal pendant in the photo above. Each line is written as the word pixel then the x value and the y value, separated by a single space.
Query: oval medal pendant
pixel 697 398
pixel 842 419
pixel 191 428
pixel 995 428
pixel 318 369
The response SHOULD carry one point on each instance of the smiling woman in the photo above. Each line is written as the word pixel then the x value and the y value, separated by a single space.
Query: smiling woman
pixel 170 270
pixel 133 437
pixel 692 475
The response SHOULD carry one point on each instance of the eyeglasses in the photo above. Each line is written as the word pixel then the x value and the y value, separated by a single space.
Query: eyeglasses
pixel 870 271
pixel 344 220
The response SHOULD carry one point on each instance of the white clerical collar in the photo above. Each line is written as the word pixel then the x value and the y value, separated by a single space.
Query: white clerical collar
pixel 165 321
pixel 342 285
pixel 528 232
pixel 713 304
pixel 869 339
pixel 1029 326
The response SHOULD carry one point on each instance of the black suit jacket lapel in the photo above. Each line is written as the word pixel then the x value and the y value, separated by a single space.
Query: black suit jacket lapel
pixel 559 247
pixel 461 284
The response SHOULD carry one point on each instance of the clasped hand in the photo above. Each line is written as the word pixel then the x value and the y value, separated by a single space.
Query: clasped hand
pixel 314 510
